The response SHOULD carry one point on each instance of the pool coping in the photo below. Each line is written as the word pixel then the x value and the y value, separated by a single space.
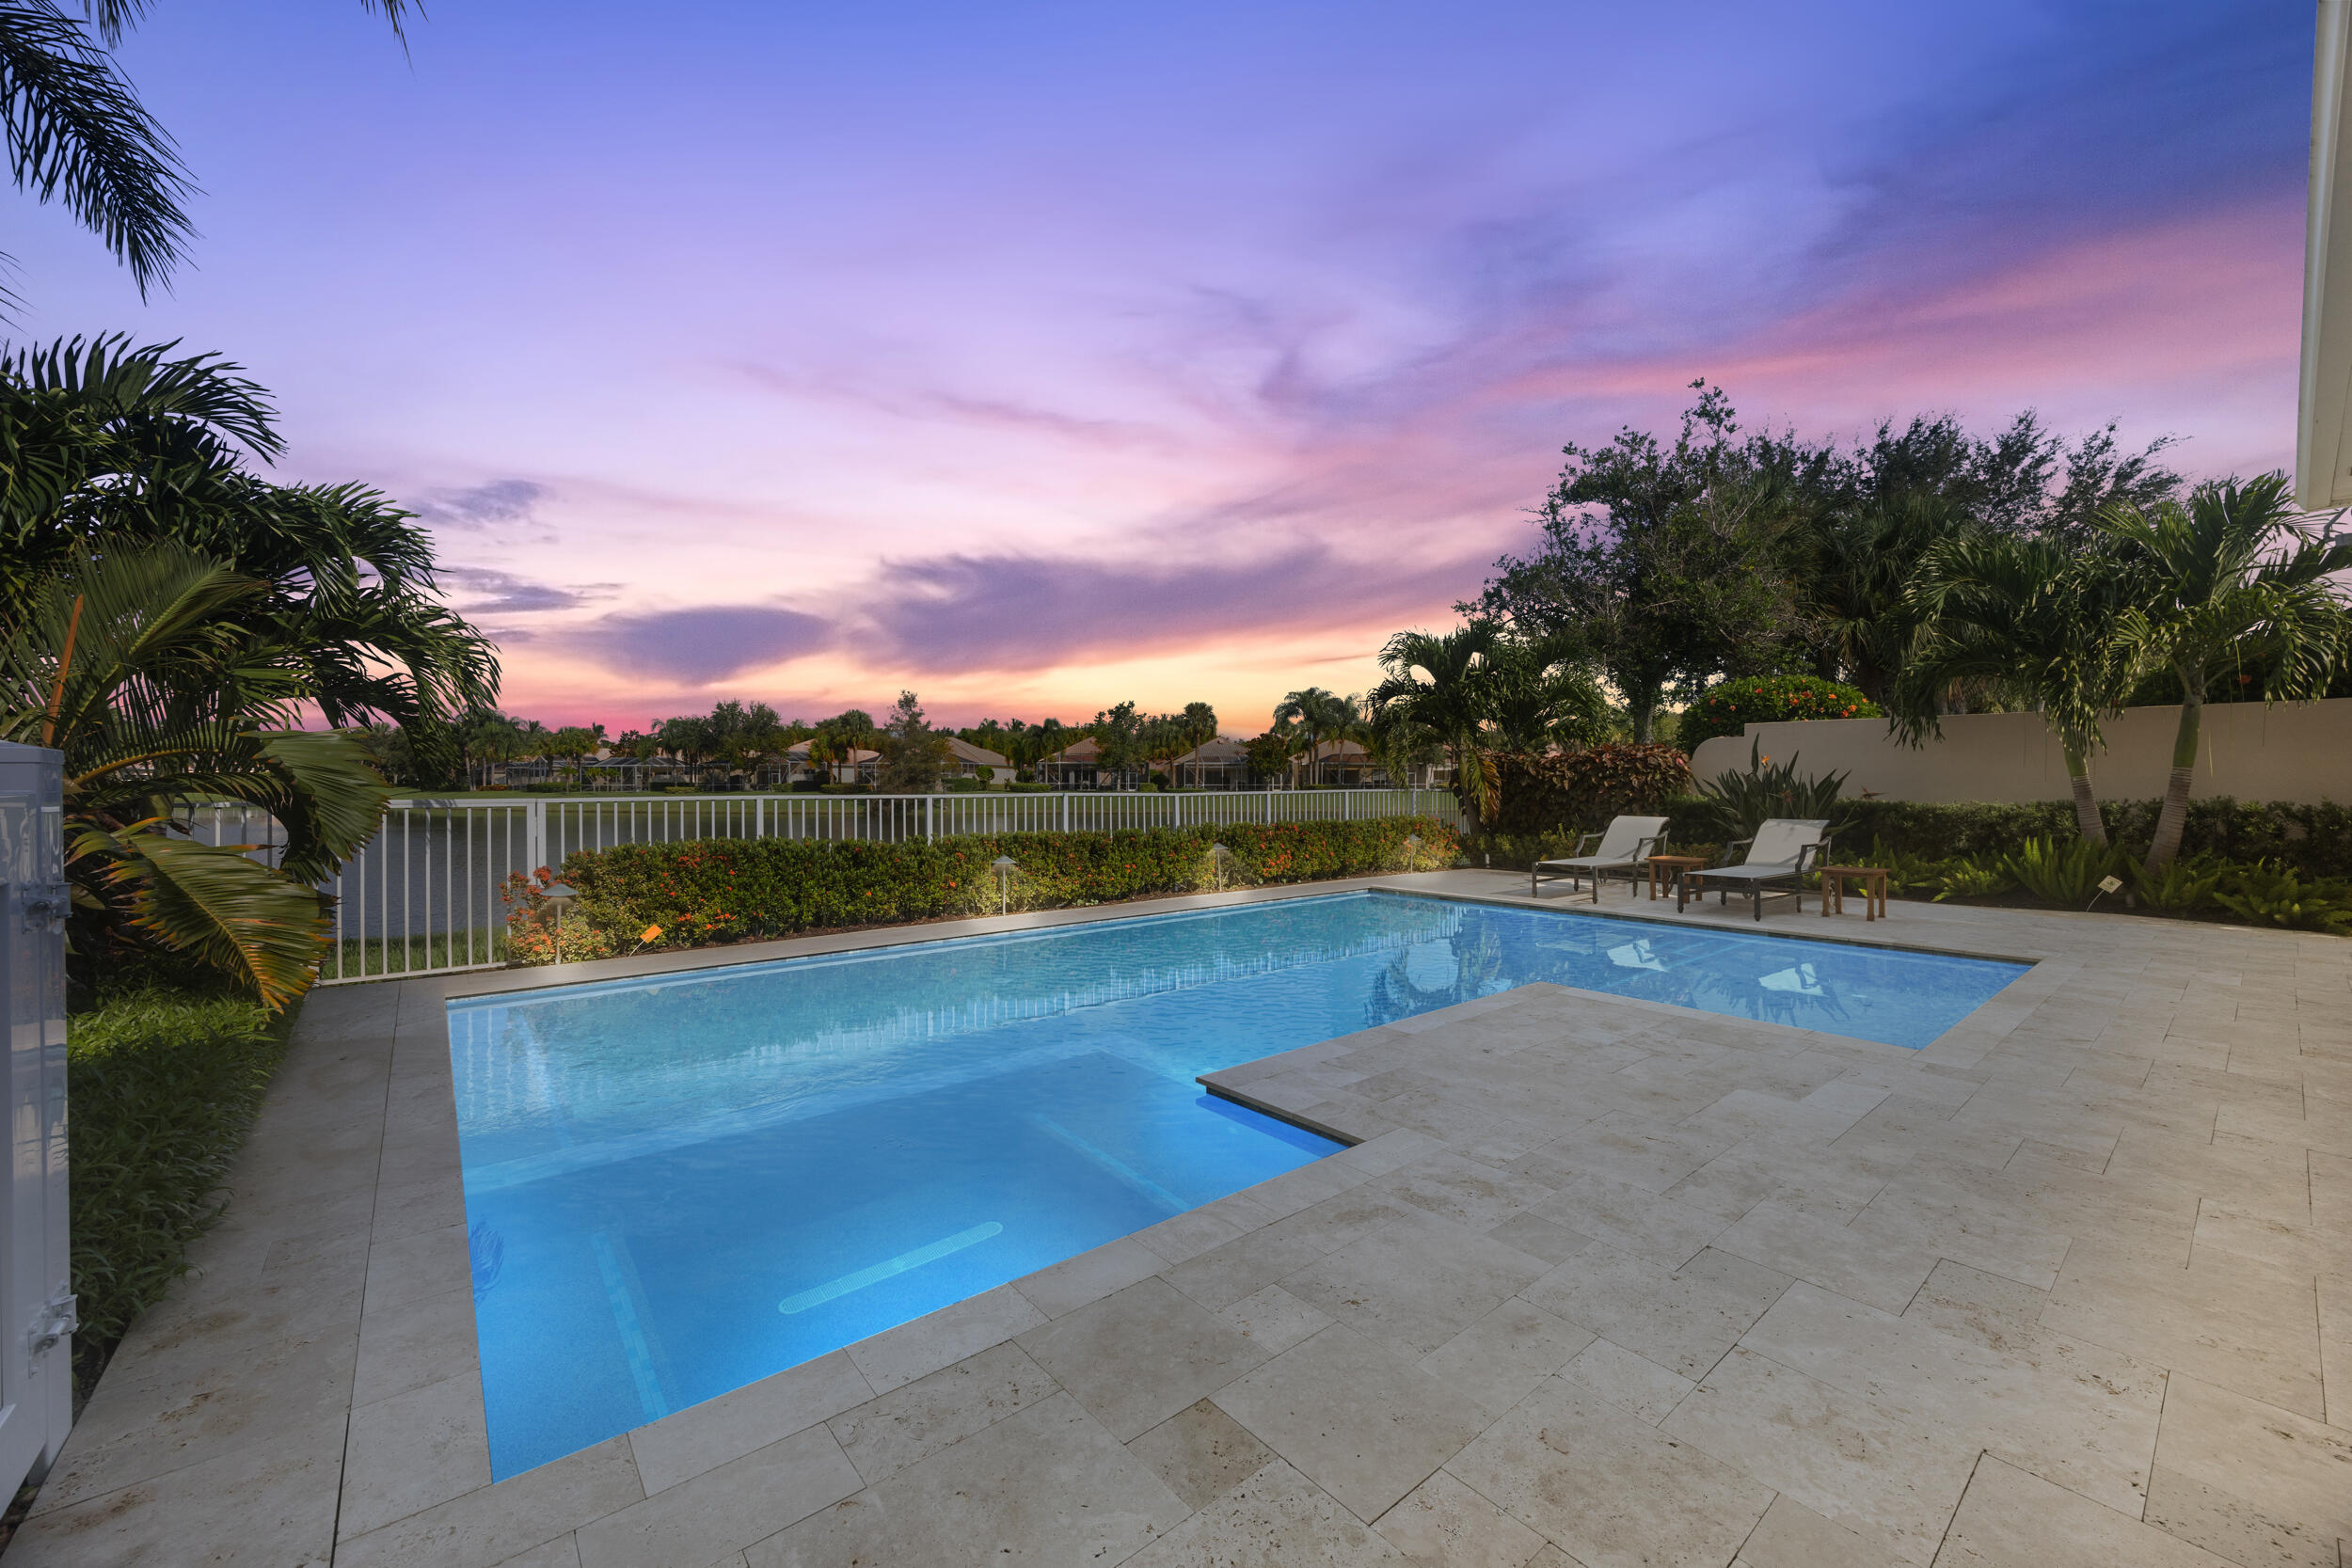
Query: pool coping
pixel 417 1359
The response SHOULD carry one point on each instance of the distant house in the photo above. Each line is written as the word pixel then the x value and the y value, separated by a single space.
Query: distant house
pixel 1078 766
pixel 859 765
pixel 965 761
pixel 1218 764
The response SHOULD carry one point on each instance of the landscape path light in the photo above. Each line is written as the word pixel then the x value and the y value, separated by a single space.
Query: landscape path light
pixel 1005 866
pixel 1218 855
pixel 1412 850
pixel 559 893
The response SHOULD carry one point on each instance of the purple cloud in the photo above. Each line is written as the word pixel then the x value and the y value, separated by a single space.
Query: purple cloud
pixel 699 644
pixel 1028 612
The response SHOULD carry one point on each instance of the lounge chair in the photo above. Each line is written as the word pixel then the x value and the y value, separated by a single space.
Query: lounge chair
pixel 1778 857
pixel 1625 845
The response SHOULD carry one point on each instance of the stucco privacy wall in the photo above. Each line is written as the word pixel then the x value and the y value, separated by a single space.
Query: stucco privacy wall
pixel 2291 752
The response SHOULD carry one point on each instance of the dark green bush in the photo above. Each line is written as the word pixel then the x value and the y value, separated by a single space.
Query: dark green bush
pixel 1584 789
pixel 167 1076
pixel 2316 840
pixel 1730 706
pixel 726 890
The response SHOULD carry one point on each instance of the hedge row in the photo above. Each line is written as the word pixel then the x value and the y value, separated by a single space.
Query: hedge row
pixel 1729 706
pixel 1586 788
pixel 729 890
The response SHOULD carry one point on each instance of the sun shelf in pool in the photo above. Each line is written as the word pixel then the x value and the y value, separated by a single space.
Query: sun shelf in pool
pixel 679 1185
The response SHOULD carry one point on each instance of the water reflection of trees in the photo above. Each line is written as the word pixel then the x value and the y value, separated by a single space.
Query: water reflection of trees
pixel 1770 979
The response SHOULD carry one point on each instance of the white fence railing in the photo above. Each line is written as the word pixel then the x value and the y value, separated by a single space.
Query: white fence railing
pixel 423 897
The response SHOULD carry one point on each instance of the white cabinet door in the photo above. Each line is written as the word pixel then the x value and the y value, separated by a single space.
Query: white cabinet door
pixel 36 1298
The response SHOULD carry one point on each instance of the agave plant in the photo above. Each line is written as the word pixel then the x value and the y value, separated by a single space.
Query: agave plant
pixel 1739 803
pixel 2064 871
pixel 137 665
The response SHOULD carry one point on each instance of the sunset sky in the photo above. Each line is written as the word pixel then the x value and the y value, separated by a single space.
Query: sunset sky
pixel 1037 357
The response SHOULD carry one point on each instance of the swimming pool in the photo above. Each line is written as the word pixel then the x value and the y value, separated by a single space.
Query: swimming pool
pixel 679 1185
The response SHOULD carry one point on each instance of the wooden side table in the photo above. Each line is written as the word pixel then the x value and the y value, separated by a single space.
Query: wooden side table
pixel 1674 866
pixel 1873 880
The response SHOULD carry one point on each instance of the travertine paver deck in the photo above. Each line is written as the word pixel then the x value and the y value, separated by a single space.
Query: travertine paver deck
pixel 1604 1283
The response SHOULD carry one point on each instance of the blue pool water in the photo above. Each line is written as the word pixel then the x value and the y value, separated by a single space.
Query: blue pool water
pixel 678 1186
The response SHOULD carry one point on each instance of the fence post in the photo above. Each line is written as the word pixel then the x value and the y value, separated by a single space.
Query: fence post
pixel 927 820
pixel 1065 813
pixel 535 833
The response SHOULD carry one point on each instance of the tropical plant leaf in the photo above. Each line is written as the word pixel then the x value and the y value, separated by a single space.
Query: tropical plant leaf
pixel 232 913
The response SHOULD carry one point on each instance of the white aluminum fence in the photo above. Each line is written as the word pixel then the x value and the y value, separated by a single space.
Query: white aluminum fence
pixel 422 897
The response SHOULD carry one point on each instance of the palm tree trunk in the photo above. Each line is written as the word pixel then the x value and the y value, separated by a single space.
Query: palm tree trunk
pixel 2174 816
pixel 2087 820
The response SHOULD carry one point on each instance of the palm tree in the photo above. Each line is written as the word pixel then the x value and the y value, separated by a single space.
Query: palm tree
pixel 2030 617
pixel 77 134
pixel 1199 727
pixel 105 445
pixel 136 666
pixel 1446 685
pixel 2225 583
pixel 1317 716
pixel 1544 694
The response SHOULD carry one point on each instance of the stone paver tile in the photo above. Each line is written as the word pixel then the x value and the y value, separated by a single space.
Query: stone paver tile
pixel 1872 1269
pixel 1080 1281
pixel 414 1342
pixel 1801 1176
pixel 422 1263
pixel 1497 1360
pixel 562 1552
pixel 2249 1481
pixel 1749 1113
pixel 408 1207
pixel 1464 1191
pixel 1274 1320
pixel 491 1525
pixel 1931 1217
pixel 1416 1284
pixel 1632 1219
pixel 412 1451
pixel 193 1400
pixel 1198 1230
pixel 897 1357
pixel 1684 1320
pixel 1137 1357
pixel 894 1430
pixel 1200 1453
pixel 2010 1518
pixel 2335 1346
pixel 1540 1238
pixel 1607 1488
pixel 2227 1230
pixel 1277 1518
pixel 2086 1420
pixel 1791 1535
pixel 1838 1454
pixel 1486 1130
pixel 1241 1267
pixel 707 1435
pixel 271 1500
pixel 1443 1523
pixel 1988 1310
pixel 722 1510
pixel 2224 1319
pixel 1361 1422
pixel 2248 1174
pixel 1046 1484
pixel 1621 1147
pixel 1632 1383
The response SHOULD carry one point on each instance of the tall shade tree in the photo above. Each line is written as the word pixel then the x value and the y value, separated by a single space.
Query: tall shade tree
pixel 2226 584
pixel 1444 684
pixel 78 135
pixel 136 666
pixel 2030 617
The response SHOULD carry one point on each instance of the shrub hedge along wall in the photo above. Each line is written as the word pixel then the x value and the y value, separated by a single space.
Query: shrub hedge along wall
pixel 728 890
pixel 1584 789
pixel 1727 707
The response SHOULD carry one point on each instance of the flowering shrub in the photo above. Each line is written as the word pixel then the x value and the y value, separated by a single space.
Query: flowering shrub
pixel 729 890
pixel 1727 707
pixel 532 928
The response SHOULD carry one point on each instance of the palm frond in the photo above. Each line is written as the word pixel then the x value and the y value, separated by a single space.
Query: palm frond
pixel 230 913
